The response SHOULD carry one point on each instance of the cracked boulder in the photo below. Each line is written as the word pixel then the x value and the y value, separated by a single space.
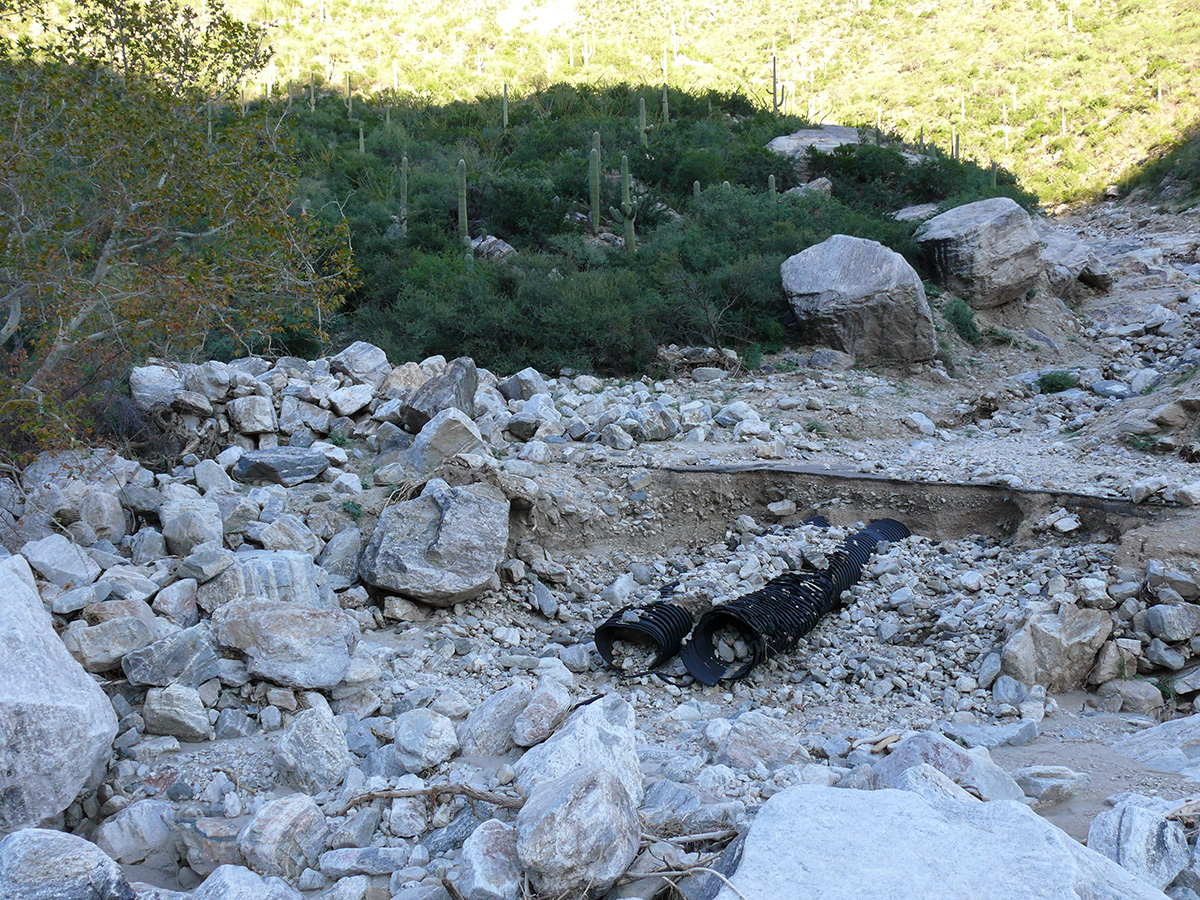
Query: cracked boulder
pixel 442 547
pixel 986 252
pixel 56 724
pixel 859 297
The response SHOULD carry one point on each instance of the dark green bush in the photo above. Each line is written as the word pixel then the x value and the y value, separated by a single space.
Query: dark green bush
pixel 1057 381
pixel 707 267
pixel 961 317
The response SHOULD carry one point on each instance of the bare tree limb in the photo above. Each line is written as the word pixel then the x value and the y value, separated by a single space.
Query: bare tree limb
pixel 508 801
pixel 13 298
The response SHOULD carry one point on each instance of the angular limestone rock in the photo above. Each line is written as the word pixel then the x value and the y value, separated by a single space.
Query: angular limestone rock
pixel 578 833
pixel 1057 650
pixel 862 298
pixel 987 252
pixel 834 841
pixel 39 864
pixel 56 724
pixel 442 547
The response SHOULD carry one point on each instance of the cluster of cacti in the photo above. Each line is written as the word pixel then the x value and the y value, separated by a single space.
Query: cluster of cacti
pixel 629 209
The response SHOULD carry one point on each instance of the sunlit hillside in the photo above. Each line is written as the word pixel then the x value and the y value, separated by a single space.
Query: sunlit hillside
pixel 1068 96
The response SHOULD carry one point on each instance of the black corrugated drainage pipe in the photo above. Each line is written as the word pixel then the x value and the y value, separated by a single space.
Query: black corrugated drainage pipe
pixel 661 624
pixel 772 619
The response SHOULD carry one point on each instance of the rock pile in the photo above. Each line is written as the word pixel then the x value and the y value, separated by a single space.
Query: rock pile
pixel 349 657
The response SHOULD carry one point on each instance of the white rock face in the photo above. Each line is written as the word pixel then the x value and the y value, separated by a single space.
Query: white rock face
pixel 1141 841
pixel 39 864
pixel 577 834
pixel 987 252
pixel 599 734
pixel 861 298
pixel 1057 650
pixel 56 723
pixel 443 547
pixel 821 843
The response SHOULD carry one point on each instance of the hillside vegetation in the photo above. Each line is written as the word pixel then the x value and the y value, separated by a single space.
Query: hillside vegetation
pixel 1069 96
pixel 709 233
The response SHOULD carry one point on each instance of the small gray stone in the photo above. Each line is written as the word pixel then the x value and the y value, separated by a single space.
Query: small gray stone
pixel 490 868
pixel 177 710
pixel 350 861
pixel 288 466
pixel 186 657
pixel 424 739
pixel 1050 784
pixel 139 830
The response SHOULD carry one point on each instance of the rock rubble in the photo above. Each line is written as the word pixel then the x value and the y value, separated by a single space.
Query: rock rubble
pixel 347 653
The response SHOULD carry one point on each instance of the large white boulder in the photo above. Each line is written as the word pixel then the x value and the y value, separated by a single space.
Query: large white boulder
pixel 56 724
pixel 987 252
pixel 862 298
pixel 1057 649
pixel 442 547
pixel 40 864
pixel 822 843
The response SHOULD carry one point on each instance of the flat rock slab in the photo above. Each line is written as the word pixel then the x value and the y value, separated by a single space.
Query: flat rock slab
pixel 819 843
pixel 288 466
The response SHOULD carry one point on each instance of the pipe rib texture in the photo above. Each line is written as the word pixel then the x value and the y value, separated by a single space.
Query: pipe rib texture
pixel 772 619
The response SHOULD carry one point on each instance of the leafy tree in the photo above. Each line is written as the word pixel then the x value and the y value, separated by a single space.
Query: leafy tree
pixel 139 213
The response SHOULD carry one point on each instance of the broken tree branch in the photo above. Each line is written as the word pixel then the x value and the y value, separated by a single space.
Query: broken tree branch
pixel 508 801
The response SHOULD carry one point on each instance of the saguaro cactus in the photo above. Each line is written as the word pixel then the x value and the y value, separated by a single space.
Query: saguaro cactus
pixel 504 106
pixel 778 92
pixel 404 195
pixel 771 187
pixel 594 185
pixel 666 104
pixel 463 234
pixel 629 209
pixel 643 128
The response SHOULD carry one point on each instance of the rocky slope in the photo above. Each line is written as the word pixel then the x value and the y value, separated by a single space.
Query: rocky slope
pixel 344 648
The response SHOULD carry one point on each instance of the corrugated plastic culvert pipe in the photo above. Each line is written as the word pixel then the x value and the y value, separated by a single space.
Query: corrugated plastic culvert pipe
pixel 772 619
pixel 659 624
